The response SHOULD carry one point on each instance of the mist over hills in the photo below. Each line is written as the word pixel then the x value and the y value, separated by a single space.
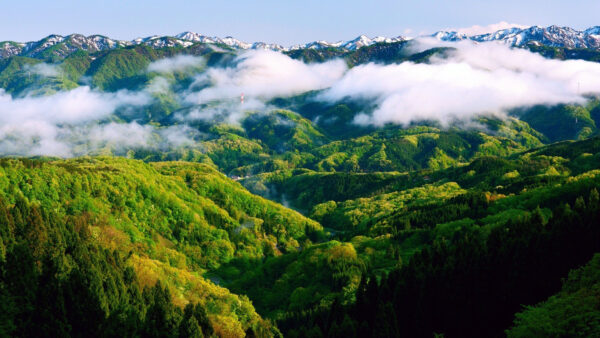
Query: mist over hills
pixel 75 96
pixel 194 186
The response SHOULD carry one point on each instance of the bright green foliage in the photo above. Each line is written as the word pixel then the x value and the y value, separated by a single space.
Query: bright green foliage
pixel 388 150
pixel 562 122
pixel 407 212
pixel 57 279
pixel 351 214
pixel 309 188
pixel 18 76
pixel 190 207
pixel 121 68
pixel 171 221
pixel 440 289
pixel 298 281
pixel 13 74
pixel 75 65
pixel 231 150
pixel 413 231
pixel 283 130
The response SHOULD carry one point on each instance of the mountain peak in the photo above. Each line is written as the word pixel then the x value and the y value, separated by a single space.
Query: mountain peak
pixel 553 36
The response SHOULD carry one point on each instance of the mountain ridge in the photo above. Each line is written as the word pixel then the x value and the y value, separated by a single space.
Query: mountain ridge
pixel 62 46
pixel 552 36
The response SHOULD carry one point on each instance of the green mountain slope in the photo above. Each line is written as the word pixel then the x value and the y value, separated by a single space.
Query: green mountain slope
pixel 169 222
pixel 562 122
pixel 391 150
pixel 396 230
pixel 399 215
pixel 454 234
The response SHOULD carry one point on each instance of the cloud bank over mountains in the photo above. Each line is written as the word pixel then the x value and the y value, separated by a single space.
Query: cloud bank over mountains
pixel 473 79
pixel 467 80
pixel 264 75
pixel 78 122
pixel 177 63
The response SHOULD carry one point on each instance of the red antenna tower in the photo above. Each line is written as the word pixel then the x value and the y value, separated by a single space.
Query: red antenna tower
pixel 242 99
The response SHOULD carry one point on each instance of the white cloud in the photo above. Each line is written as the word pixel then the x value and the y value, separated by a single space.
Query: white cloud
pixel 73 106
pixel 475 79
pixel 472 79
pixel 123 136
pixel 38 125
pixel 44 69
pixel 263 75
pixel 34 138
pixel 177 63
pixel 230 111
pixel 158 85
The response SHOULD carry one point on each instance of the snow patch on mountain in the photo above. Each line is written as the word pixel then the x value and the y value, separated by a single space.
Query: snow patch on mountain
pixel 510 34
pixel 480 30
pixel 552 36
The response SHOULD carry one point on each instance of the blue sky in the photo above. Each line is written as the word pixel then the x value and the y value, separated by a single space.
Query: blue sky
pixel 281 21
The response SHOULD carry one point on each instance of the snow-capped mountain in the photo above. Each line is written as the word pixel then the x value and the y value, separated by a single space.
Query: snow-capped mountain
pixel 320 44
pixel 268 46
pixel 449 36
pixel 64 45
pixel 360 41
pixel 553 36
pixel 61 46
pixel 162 42
pixel 228 40
pixel 363 41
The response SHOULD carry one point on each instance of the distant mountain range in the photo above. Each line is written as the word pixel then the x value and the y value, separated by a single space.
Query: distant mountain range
pixel 61 46
pixel 552 36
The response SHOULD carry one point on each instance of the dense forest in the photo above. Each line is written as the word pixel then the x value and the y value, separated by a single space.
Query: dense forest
pixel 291 219
pixel 143 245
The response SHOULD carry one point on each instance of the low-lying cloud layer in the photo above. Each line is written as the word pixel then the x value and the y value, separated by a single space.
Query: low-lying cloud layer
pixel 41 125
pixel 264 75
pixel 177 63
pixel 44 69
pixel 468 80
pixel 473 79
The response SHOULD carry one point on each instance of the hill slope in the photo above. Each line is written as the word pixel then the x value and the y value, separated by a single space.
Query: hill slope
pixel 167 223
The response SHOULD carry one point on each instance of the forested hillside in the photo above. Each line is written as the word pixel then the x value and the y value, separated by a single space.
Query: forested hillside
pixel 171 223
pixel 402 188
pixel 141 225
